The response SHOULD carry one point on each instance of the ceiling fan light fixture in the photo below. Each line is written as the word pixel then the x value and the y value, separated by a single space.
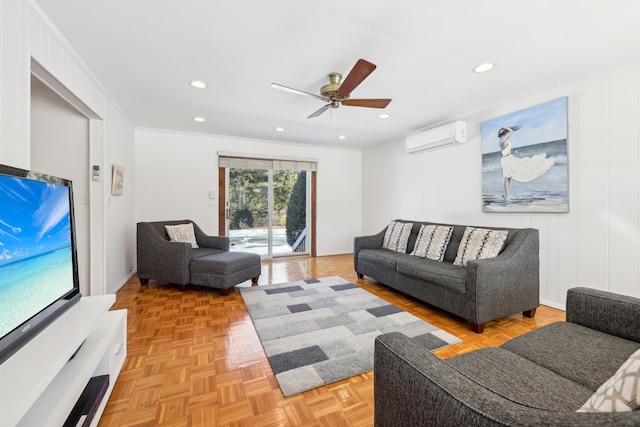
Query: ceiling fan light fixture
pixel 199 119
pixel 484 67
pixel 198 84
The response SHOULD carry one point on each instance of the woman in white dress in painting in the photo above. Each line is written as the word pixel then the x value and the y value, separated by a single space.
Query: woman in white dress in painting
pixel 522 169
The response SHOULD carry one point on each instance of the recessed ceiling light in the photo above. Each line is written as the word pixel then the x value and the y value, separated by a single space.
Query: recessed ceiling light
pixel 198 84
pixel 279 129
pixel 342 137
pixel 482 68
pixel 199 119
pixel 384 116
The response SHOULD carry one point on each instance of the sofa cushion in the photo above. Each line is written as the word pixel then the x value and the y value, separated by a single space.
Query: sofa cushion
pixel 621 392
pixel 580 354
pixel 520 380
pixel 479 243
pixel 382 257
pixel 442 273
pixel 182 233
pixel 432 241
pixel 397 235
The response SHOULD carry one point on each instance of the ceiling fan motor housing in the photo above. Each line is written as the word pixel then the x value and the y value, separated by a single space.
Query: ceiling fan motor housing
pixel 329 90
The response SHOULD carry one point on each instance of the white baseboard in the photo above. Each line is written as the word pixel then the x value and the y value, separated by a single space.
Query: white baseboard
pixel 123 282
pixel 335 253
pixel 553 304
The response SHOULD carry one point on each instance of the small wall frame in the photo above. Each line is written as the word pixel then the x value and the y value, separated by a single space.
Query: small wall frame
pixel 117 180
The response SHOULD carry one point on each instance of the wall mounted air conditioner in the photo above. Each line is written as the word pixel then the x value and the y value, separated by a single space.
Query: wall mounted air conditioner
pixel 440 137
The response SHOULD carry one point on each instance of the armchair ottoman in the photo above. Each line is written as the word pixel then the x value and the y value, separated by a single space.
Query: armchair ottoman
pixel 224 270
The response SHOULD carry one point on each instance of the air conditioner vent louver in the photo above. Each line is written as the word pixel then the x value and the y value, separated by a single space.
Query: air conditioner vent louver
pixel 440 137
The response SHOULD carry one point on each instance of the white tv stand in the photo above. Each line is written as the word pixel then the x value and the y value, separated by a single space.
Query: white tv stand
pixel 40 385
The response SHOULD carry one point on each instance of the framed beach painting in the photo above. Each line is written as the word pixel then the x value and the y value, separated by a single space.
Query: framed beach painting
pixel 524 160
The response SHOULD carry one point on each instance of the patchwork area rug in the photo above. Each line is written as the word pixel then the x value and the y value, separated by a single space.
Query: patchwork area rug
pixel 319 331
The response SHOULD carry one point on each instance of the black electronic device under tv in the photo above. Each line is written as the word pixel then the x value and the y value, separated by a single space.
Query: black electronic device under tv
pixel 38 262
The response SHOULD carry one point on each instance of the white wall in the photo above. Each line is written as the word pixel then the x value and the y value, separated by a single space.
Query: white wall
pixel 175 172
pixel 56 130
pixel 26 34
pixel 596 244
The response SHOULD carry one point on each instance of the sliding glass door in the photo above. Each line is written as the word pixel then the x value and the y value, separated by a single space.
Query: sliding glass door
pixel 267 209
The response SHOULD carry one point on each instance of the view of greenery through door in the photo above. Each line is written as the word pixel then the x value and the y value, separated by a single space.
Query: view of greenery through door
pixel 267 211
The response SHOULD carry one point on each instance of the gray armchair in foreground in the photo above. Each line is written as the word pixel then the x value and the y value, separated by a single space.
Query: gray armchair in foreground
pixel 540 378
pixel 211 264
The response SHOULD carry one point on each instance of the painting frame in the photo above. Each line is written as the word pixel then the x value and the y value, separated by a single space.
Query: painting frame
pixel 117 180
pixel 525 160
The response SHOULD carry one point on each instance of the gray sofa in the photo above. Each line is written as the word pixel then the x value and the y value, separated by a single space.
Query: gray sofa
pixel 537 379
pixel 484 290
pixel 210 265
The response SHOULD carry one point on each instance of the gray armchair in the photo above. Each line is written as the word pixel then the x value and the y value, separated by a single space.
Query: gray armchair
pixel 161 259
pixel 540 378
pixel 164 260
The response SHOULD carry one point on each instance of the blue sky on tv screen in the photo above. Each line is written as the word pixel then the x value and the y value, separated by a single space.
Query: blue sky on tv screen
pixel 34 218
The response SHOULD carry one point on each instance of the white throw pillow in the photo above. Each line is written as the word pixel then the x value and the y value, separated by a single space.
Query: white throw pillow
pixel 182 233
pixel 621 392
pixel 432 241
pixel 479 243
pixel 397 236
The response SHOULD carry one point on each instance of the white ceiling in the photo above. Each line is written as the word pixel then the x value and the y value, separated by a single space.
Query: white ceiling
pixel 146 51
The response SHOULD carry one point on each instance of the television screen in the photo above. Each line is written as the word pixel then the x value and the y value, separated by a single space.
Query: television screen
pixel 38 267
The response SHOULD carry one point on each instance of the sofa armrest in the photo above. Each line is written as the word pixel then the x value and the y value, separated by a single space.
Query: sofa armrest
pixel 412 387
pixel 603 311
pixel 161 259
pixel 508 283
pixel 366 242
pixel 206 241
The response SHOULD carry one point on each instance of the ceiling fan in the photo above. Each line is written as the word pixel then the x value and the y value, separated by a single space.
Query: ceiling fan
pixel 337 92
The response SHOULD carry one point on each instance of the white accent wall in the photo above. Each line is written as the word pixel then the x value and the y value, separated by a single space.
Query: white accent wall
pixel 26 34
pixel 596 244
pixel 58 129
pixel 175 172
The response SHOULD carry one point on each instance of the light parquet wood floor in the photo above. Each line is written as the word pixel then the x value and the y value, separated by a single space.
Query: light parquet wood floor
pixel 194 358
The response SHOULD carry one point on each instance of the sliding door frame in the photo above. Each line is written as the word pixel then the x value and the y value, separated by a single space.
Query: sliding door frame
pixel 222 206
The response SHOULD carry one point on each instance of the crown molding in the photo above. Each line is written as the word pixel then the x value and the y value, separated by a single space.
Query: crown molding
pixel 50 26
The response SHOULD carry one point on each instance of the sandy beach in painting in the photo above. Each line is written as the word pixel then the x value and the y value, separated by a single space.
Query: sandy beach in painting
pixel 547 193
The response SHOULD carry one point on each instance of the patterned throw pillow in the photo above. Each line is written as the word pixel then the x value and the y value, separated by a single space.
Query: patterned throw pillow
pixel 479 243
pixel 182 233
pixel 621 392
pixel 432 241
pixel 397 236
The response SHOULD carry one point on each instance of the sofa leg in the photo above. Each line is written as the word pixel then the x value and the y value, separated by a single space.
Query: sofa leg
pixel 143 281
pixel 529 313
pixel 225 292
pixel 254 281
pixel 360 275
pixel 477 328
pixel 182 287
pixel 197 287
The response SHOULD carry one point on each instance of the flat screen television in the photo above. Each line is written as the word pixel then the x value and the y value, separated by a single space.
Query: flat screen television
pixel 38 262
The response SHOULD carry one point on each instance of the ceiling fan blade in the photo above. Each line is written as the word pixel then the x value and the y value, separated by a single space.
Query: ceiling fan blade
pixel 371 103
pixel 358 73
pixel 299 92
pixel 320 111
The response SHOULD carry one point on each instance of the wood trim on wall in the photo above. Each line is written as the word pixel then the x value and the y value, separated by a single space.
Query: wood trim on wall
pixel 222 202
